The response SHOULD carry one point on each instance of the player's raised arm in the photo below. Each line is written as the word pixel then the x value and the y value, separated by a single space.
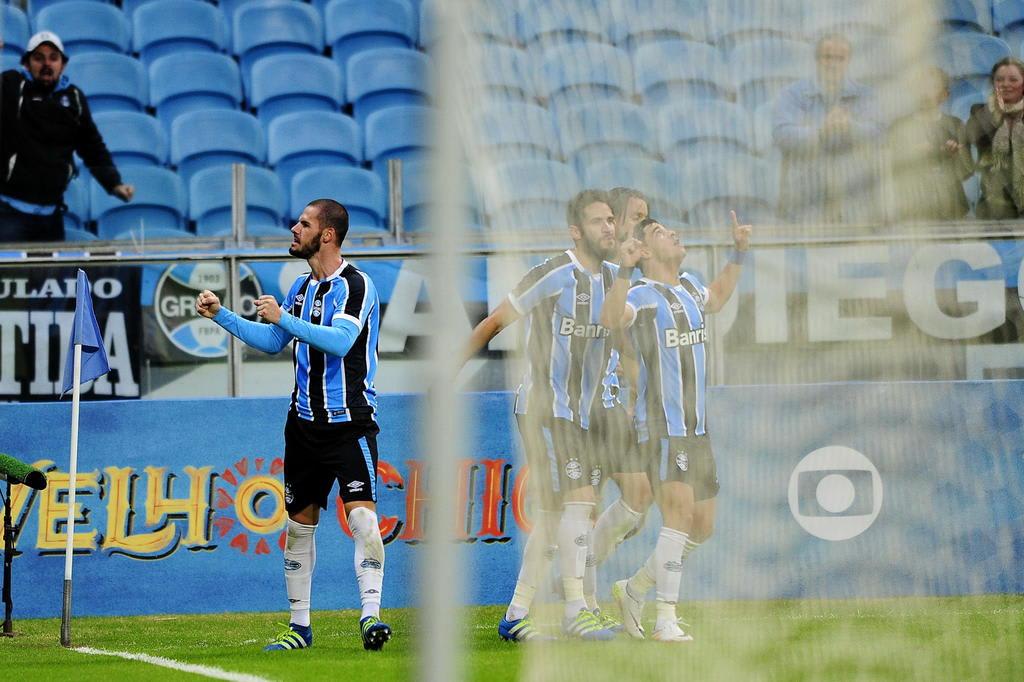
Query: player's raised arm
pixel 268 338
pixel 501 317
pixel 721 289
pixel 614 314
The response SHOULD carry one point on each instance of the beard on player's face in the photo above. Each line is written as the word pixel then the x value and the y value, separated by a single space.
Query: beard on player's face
pixel 306 251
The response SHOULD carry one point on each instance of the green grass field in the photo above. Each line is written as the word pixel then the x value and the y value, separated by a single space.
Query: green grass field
pixel 967 638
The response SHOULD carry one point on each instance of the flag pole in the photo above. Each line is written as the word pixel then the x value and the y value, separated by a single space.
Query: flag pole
pixel 65 615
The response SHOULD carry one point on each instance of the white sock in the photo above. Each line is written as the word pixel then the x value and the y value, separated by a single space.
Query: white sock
pixel 369 559
pixel 612 527
pixel 573 537
pixel 538 556
pixel 299 559
pixel 590 577
pixel 668 573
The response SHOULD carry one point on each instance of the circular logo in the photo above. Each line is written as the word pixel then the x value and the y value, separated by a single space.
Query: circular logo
pixel 573 469
pixel 175 298
pixel 835 493
pixel 682 460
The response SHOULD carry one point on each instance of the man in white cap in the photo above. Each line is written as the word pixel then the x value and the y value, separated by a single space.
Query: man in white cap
pixel 45 119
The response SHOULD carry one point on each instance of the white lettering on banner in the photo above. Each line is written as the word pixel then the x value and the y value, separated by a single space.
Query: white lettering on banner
pixel 104 287
pixel 115 340
pixel 771 314
pixel 923 306
pixel 42 321
pixel 401 319
pixel 11 323
pixel 827 288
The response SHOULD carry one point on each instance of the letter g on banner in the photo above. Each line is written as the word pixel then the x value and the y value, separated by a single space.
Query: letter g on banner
pixel 835 493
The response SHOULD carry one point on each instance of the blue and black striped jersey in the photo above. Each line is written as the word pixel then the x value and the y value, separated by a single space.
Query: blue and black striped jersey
pixel 668 332
pixel 566 346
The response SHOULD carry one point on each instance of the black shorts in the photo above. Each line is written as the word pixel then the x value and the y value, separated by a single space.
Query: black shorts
pixel 559 457
pixel 688 460
pixel 317 455
pixel 613 440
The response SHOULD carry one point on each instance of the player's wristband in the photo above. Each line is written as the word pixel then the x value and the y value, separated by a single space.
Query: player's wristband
pixel 625 273
pixel 737 257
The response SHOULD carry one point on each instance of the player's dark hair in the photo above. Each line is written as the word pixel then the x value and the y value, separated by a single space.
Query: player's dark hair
pixel 638 231
pixel 574 212
pixel 618 199
pixel 332 214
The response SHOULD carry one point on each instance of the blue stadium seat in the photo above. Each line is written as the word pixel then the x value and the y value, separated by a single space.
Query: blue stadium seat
pixel 517 130
pixel 193 81
pixel 209 202
pixel 671 70
pixel 968 59
pixel 397 133
pixel 530 194
pixel 202 139
pixel 961 106
pixel 1008 21
pixel 418 199
pixel 77 234
pixel 701 128
pixel 716 184
pixel 638 22
pixel 111 82
pixel 361 191
pixel 386 77
pixel 284 83
pixel 579 72
pixel 505 73
pixel 76 198
pixel 590 134
pixel 163 27
pixel 133 138
pixel 15 34
pixel 655 179
pixel 734 21
pixel 761 68
pixel 959 15
pixel 853 20
pixel 157 209
pixel 354 25
pixel 265 27
pixel 555 22
pixel 37 6
pixel 308 138
pixel 86 26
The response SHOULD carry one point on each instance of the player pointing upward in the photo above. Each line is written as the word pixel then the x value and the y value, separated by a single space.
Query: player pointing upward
pixel 332 319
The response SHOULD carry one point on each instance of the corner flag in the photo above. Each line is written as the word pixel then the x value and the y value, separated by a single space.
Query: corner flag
pixel 85 333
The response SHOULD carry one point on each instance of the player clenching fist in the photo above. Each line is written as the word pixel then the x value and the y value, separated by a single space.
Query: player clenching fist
pixel 268 309
pixel 207 304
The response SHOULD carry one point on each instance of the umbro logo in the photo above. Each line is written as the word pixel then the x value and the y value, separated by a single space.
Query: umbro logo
pixel 674 566
pixel 355 486
pixel 581 540
pixel 369 563
pixel 677 307
pixel 583 298
pixel 300 298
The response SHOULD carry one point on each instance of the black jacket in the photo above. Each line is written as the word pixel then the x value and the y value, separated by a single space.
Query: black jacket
pixel 39 132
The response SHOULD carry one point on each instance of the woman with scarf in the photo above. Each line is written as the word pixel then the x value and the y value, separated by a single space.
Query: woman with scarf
pixel 996 131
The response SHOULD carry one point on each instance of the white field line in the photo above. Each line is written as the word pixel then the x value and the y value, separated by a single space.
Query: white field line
pixel 204 670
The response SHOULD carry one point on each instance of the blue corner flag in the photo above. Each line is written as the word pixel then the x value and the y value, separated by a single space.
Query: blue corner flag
pixel 85 332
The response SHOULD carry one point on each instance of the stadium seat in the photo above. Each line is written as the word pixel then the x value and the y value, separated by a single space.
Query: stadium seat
pixel 133 138
pixel 578 72
pixel 193 81
pixel 86 26
pixel 163 27
pixel 202 139
pixel 418 199
pixel 760 68
pixel 361 191
pixel 397 133
pixel 853 20
pixel 264 27
pixel 76 198
pixel 959 15
pixel 209 202
pixel 490 21
pixel 1008 20
pixel 15 34
pixel 556 22
pixel 529 194
pixel 671 70
pixel 514 130
pixel 591 134
pixel 157 209
pixel 285 83
pixel 961 106
pixel 638 22
pixel 720 183
pixel 504 73
pixel 355 25
pixel 37 6
pixel 734 21
pixel 701 128
pixel 655 179
pixel 386 77
pixel 308 138
pixel 968 59
pixel 111 82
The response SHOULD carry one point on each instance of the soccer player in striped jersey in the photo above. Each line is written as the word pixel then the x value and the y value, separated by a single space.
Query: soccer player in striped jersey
pixel 665 313
pixel 331 318
pixel 566 348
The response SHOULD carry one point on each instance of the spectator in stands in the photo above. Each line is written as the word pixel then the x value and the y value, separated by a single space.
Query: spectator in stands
pixel 995 129
pixel 45 119
pixel 829 133
pixel 930 157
